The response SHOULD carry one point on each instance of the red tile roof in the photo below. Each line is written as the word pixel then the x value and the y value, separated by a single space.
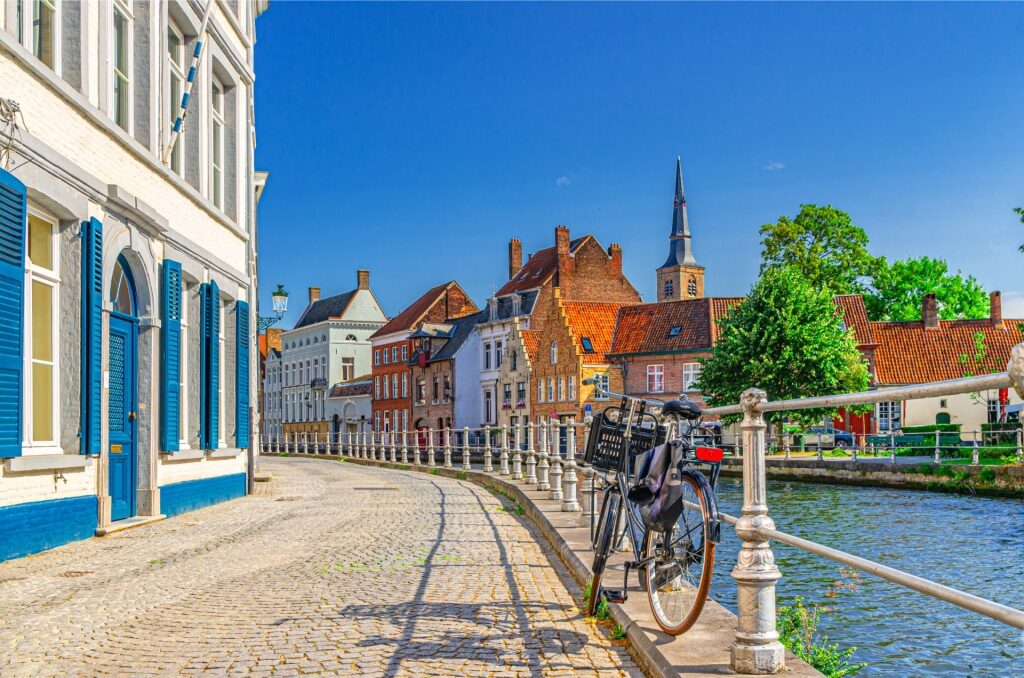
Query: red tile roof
pixel 651 328
pixel 410 318
pixel 538 270
pixel 530 341
pixel 855 315
pixel 909 354
pixel 594 320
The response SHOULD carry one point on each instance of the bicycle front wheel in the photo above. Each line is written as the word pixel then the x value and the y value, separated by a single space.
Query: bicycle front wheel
pixel 680 563
pixel 603 545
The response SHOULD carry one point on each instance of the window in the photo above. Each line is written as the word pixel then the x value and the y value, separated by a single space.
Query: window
pixel 561 388
pixel 376 421
pixel 691 286
pixel 488 406
pixel 44 31
pixel 405 352
pixel 669 289
pixel 387 389
pixel 376 357
pixel 436 391
pixel 420 388
pixel 385 356
pixel 691 373
pixel 447 388
pixel 993 411
pixel 497 354
pixel 506 395
pixel 394 354
pixel 376 388
pixel 487 356
pixel 551 389
pixel 348 369
pixel 351 337
pixel 554 352
pixel 521 393
pixel 674 331
pixel 655 378
pixel 601 380
pixel 394 385
pixel 890 415
pixel 41 330
pixel 122 68
pixel 572 388
pixel 588 346
pixel 217 144
pixel 514 358
pixel 540 390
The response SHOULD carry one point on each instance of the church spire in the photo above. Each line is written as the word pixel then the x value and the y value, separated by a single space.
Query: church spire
pixel 680 251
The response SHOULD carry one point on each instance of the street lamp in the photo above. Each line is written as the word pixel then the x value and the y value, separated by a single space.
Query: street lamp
pixel 280 304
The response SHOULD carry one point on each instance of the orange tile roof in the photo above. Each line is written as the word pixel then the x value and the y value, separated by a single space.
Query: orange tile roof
pixel 909 354
pixel 648 328
pixel 537 270
pixel 530 340
pixel 594 320
pixel 411 316
pixel 855 315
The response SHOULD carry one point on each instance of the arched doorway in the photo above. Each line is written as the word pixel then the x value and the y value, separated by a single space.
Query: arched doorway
pixel 123 395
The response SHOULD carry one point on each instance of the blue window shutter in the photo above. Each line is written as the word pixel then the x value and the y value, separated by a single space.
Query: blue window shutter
pixel 170 365
pixel 211 366
pixel 92 335
pixel 242 321
pixel 12 291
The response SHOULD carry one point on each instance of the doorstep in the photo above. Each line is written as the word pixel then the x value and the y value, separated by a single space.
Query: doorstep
pixel 127 524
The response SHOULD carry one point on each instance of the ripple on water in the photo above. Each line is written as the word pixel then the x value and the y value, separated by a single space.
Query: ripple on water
pixel 975 544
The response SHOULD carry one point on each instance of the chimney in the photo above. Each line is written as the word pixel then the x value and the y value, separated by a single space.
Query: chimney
pixel 363 279
pixel 515 257
pixel 314 294
pixel 615 252
pixel 562 251
pixel 930 313
pixel 995 308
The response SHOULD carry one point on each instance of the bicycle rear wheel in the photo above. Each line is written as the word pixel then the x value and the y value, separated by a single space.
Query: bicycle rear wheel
pixel 680 564
pixel 610 508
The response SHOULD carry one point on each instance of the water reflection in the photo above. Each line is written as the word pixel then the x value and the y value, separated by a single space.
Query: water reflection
pixel 975 544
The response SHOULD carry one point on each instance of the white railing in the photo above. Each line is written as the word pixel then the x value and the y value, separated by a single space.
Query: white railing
pixel 535 454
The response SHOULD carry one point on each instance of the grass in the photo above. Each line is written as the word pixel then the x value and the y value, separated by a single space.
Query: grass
pixel 967 462
pixel 158 561
pixel 618 633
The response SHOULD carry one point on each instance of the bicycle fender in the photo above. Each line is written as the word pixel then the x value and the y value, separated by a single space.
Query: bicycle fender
pixel 715 528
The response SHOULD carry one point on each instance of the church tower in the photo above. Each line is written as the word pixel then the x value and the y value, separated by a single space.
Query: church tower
pixel 680 277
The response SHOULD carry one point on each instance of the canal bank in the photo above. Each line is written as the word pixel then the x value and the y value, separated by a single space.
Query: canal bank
pixel 993 481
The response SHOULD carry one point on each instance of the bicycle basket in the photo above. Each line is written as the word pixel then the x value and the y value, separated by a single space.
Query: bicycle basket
pixel 608 437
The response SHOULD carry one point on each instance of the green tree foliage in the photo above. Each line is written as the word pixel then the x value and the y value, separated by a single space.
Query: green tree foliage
pixel 823 244
pixel 787 338
pixel 898 289
pixel 1020 213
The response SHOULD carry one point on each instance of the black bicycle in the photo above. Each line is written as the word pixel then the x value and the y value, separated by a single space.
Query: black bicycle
pixel 675 563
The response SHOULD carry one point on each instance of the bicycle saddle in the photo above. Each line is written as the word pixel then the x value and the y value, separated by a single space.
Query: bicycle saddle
pixel 684 409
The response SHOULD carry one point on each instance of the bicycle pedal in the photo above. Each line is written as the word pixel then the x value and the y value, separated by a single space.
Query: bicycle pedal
pixel 613 596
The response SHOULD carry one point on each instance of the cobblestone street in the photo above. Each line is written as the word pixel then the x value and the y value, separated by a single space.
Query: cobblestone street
pixel 331 569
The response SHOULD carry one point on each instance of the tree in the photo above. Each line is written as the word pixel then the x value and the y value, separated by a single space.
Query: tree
pixel 823 244
pixel 787 338
pixel 898 289
pixel 1020 213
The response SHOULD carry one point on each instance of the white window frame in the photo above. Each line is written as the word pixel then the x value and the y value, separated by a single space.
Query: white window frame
pixel 176 72
pixel 405 384
pixel 217 120
pixel 499 353
pixel 125 9
pixel 540 390
pixel 656 379
pixel 50 278
pixel 551 389
pixel 572 388
pixel 387 388
pixel 691 373
pixel 889 406
pixel 27 34
pixel 601 379
pixel 561 389
pixel 487 355
pixel 386 356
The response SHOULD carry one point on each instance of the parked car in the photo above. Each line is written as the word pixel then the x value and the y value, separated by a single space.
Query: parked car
pixel 828 437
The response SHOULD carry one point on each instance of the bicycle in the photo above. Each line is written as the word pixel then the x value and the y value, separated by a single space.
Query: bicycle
pixel 675 566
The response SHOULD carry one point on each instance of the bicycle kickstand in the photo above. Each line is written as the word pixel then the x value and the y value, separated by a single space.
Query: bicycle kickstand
pixel 614 596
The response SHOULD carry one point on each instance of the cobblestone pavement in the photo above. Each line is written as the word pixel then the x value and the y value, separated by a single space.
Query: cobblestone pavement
pixel 331 569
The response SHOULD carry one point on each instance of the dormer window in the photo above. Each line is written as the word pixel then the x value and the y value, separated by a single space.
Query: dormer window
pixel 588 346
pixel 674 331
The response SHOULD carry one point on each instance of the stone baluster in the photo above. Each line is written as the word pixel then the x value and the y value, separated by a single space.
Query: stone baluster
pixel 503 457
pixel 555 454
pixel 447 447
pixel 938 447
pixel 488 451
pixel 543 481
pixel 569 502
pixel 517 454
pixel 405 446
pixel 430 448
pixel 853 450
pixel 373 445
pixel 416 456
pixel 974 449
pixel 756 648
pixel 785 443
pixel 531 459
pixel 465 448
pixel 305 443
pixel 1020 444
pixel 394 446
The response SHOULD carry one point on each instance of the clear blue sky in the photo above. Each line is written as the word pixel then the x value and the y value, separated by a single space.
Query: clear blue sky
pixel 415 139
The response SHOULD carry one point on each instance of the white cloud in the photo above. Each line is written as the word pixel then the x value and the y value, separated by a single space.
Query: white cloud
pixel 1013 304
pixel 562 181
pixel 773 165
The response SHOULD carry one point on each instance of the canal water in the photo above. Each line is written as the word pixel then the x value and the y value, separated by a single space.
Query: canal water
pixel 975 544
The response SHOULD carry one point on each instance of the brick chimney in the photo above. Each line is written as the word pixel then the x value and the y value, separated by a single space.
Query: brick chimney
pixel 562 251
pixel 930 313
pixel 515 257
pixel 363 279
pixel 615 252
pixel 314 294
pixel 995 308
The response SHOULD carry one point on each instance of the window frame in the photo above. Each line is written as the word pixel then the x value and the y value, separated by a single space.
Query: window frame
pixel 657 374
pixel 176 72
pixel 27 34
pixel 601 379
pixel 49 277
pixel 217 147
pixel 553 353
pixel 690 375
pixel 122 7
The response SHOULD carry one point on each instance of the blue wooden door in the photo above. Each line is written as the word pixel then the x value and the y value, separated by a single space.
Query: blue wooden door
pixel 121 414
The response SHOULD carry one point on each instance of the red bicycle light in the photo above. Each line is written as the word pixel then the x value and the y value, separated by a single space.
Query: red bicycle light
pixel 709 454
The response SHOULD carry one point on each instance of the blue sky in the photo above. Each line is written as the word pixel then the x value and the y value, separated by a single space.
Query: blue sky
pixel 416 139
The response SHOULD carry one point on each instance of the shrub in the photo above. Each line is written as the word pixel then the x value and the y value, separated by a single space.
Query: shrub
pixel 798 631
pixel 932 428
pixel 926 469
pixel 987 475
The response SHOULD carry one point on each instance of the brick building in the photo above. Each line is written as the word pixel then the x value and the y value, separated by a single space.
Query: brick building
pixel 514 376
pixel 393 345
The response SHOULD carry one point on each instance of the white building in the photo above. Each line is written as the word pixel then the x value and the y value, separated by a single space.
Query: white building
pixel 350 407
pixel 273 410
pixel 129 285
pixel 330 344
